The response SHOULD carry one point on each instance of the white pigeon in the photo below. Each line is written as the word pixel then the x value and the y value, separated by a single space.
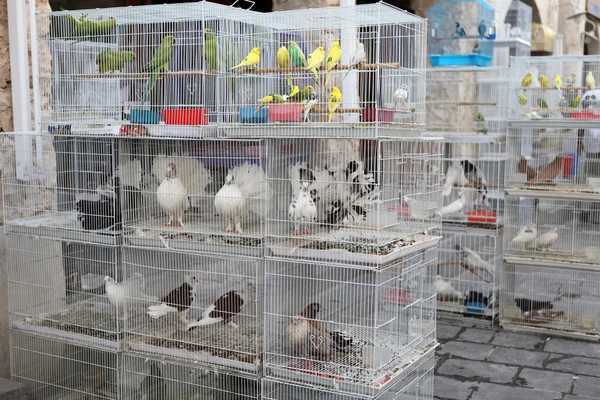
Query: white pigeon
pixel 526 234
pixel 302 209
pixel 246 190
pixel 400 96
pixel 455 207
pixel 455 175
pixel 193 174
pixel 123 294
pixel 357 58
pixel 225 308
pixel 472 260
pixel 545 241
pixel 173 197
pixel 445 289
pixel 309 103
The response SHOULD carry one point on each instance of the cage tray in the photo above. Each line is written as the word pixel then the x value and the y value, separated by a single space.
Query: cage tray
pixel 322 130
pixel 420 242
pixel 456 307
pixel 181 131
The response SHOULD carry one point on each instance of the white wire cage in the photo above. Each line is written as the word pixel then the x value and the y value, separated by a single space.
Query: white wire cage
pixel 63 187
pixel 566 231
pixel 550 90
pixel 164 378
pixel 205 308
pixel 413 382
pixel 59 370
pixel 554 160
pixel 559 299
pixel 467 274
pixel 124 70
pixel 198 195
pixel 354 71
pixel 56 289
pixel 467 101
pixel 473 187
pixel 345 328
pixel 360 201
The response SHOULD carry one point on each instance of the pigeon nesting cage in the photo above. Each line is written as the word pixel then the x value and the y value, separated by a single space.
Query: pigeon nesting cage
pixel 466 274
pixel 163 378
pixel 348 328
pixel 197 307
pixel 550 298
pixel 203 195
pixel 53 369
pixel 415 382
pixel 128 70
pixel 57 290
pixel 467 101
pixel 65 187
pixel 360 201
pixel 353 71
pixel 466 38
pixel 555 231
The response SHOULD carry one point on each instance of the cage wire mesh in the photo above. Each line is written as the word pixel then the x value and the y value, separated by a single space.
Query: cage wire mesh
pixel 59 370
pixel 164 378
pixel 415 382
pixel 204 308
pixel 346 328
pixel 551 298
pixel 554 160
pixel 466 276
pixel 467 101
pixel 64 187
pixel 56 289
pixel 551 229
pixel 198 195
pixel 359 201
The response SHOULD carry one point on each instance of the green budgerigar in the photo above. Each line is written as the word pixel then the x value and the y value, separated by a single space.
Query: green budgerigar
pixel 112 60
pixel 209 51
pixel 159 63
pixel 480 119
pixel 302 95
pixel 296 54
pixel 90 27
pixel 542 103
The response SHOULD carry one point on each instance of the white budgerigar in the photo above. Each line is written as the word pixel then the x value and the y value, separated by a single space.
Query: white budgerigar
pixel 123 294
pixel 472 260
pixel 545 241
pixel 246 190
pixel 302 210
pixel 526 234
pixel 456 206
pixel 400 96
pixel 357 58
pixel 309 103
pixel 173 197
pixel 455 175
pixel 446 290
pixel 193 174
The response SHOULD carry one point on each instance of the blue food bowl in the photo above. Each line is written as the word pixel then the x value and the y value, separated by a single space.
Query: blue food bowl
pixel 249 115
pixel 449 60
pixel 145 117
pixel 475 307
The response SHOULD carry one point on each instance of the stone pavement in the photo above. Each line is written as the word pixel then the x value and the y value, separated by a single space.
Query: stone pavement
pixel 479 363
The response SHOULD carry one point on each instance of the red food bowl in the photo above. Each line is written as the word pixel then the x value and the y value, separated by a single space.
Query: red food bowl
pixel 288 112
pixel 585 115
pixel 486 217
pixel 197 116
pixel 381 115
pixel 403 211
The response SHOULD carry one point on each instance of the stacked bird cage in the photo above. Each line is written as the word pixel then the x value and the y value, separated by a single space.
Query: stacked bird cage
pixel 552 210
pixel 469 107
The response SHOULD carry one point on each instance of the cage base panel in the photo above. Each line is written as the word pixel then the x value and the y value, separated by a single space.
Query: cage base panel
pixel 458 308
pixel 514 325
pixel 569 261
pixel 318 130
pixel 466 137
pixel 106 391
pixel 567 192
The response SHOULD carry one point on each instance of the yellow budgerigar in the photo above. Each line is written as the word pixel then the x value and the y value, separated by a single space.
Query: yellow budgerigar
pixel 522 100
pixel 543 81
pixel 557 81
pixel 590 82
pixel 295 91
pixel 283 60
pixel 333 58
pixel 251 60
pixel 315 59
pixel 335 100
pixel 526 81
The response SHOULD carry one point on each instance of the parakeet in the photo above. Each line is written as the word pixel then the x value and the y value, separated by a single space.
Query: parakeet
pixel 111 60
pixel 460 31
pixel 526 81
pixel 563 103
pixel 542 103
pixel 557 81
pixel 333 58
pixel 575 102
pixel 543 81
pixel 159 63
pixel 209 51
pixel 522 100
pixel 480 123
pixel 314 62
pixel 479 117
pixel 283 60
pixel 309 103
pixel 302 95
pixel 482 30
pixel 251 60
pixel 357 58
pixel 296 54
pixel 335 99
pixel 90 27
pixel 571 79
pixel 295 90
pixel 590 82
pixel 269 99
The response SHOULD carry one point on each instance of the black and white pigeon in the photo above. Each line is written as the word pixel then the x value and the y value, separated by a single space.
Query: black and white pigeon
pixel 177 301
pixel 302 209
pixel 225 308
pixel 153 386
pixel 465 172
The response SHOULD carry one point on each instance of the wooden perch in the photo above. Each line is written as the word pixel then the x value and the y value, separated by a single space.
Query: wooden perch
pixel 143 75
pixel 563 87
pixel 362 67
pixel 461 103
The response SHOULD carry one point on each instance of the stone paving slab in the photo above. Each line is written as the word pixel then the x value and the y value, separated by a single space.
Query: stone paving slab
pixel 490 391
pixel 519 340
pixel 471 351
pixel 587 386
pixel 477 335
pixel 546 380
pixel 453 389
pixel 575 365
pixel 524 358
pixel 445 331
pixel 573 347
pixel 478 371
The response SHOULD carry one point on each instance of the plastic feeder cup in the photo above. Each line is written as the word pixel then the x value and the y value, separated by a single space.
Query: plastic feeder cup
pixel 381 115
pixel 144 117
pixel 186 117
pixel 249 115
pixel 288 112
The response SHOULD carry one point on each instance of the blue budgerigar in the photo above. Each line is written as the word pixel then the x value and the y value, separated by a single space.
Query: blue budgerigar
pixel 460 31
pixel 482 30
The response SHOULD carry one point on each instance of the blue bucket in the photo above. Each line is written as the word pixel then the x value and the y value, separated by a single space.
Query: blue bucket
pixel 475 307
pixel 249 115
pixel 144 117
